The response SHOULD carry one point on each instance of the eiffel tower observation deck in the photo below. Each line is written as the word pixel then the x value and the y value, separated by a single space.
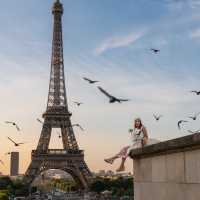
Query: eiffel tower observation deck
pixel 57 115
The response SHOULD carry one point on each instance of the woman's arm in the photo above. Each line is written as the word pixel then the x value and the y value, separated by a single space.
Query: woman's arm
pixel 145 132
pixel 145 138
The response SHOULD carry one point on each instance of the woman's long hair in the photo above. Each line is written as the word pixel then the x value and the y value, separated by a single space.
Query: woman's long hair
pixel 140 126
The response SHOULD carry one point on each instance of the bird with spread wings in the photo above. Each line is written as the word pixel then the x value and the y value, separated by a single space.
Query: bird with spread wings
pixel 196 92
pixel 14 124
pixel 78 103
pixel 180 122
pixel 194 117
pixel 194 132
pixel 2 162
pixel 16 144
pixel 112 98
pixel 157 117
pixel 155 50
pixel 79 126
pixel 89 80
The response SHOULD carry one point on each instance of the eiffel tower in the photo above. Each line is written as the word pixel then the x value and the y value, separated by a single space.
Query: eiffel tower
pixel 69 159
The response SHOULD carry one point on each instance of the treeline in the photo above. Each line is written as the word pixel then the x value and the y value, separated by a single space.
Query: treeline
pixel 12 188
pixel 118 187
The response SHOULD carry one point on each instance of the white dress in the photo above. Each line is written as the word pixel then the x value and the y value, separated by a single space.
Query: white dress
pixel 137 136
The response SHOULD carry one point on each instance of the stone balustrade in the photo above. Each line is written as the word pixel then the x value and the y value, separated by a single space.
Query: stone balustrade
pixel 168 170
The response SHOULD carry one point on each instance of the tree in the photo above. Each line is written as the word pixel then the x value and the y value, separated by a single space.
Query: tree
pixel 5 181
pixel 98 186
pixel 20 188
pixel 3 195
pixel 119 186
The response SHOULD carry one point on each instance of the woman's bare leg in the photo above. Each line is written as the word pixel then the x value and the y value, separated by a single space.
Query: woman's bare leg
pixel 122 153
pixel 122 166
pixel 111 160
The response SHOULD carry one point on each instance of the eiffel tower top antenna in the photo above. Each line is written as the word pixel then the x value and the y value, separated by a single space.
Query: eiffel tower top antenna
pixel 57 100
pixel 57 6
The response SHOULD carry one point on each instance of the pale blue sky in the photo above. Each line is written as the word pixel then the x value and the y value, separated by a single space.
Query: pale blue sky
pixel 108 40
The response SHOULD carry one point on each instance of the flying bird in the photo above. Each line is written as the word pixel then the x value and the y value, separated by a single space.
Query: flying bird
pixel 196 92
pixel 194 132
pixel 78 103
pixel 180 122
pixel 2 162
pixel 112 98
pixel 16 144
pixel 79 126
pixel 40 121
pixel 157 118
pixel 59 135
pixel 195 116
pixel 155 50
pixel 90 81
pixel 14 124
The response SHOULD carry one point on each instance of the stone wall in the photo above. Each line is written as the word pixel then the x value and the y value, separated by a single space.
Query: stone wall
pixel 168 170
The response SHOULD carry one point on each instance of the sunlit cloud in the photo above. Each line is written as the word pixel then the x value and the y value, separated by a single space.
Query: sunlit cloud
pixel 179 4
pixel 118 41
pixel 194 3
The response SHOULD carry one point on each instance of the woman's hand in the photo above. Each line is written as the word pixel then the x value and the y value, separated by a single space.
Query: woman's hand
pixel 144 141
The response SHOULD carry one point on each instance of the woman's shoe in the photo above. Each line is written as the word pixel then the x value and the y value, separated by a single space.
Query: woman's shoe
pixel 110 161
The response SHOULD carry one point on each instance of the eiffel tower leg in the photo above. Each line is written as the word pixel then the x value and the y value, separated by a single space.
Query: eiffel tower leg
pixel 45 137
pixel 86 171
pixel 33 171
pixel 82 178
pixel 68 138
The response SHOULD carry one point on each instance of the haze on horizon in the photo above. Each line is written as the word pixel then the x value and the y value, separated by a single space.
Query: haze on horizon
pixel 109 41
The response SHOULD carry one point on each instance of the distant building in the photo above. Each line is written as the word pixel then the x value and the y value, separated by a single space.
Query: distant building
pixel 101 173
pixel 124 175
pixel 14 163
pixel 112 175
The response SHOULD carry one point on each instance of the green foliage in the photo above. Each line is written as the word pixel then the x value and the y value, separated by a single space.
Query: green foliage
pixel 33 189
pixel 3 195
pixel 9 187
pixel 98 186
pixel 5 181
pixel 19 188
pixel 119 186
pixel 63 184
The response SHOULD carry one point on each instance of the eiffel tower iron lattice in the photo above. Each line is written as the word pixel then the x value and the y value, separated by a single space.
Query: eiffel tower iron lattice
pixel 57 115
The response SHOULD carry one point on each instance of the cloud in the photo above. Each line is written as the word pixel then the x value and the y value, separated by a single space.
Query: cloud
pixel 195 34
pixel 179 4
pixel 194 3
pixel 118 41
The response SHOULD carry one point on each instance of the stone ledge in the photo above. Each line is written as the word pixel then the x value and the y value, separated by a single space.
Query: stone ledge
pixel 181 144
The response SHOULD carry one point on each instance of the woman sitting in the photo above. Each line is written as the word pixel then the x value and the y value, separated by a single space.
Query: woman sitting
pixel 139 137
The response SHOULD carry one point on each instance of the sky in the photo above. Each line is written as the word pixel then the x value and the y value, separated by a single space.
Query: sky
pixel 109 41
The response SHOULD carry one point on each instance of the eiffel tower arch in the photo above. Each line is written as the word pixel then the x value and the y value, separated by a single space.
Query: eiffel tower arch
pixel 57 115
